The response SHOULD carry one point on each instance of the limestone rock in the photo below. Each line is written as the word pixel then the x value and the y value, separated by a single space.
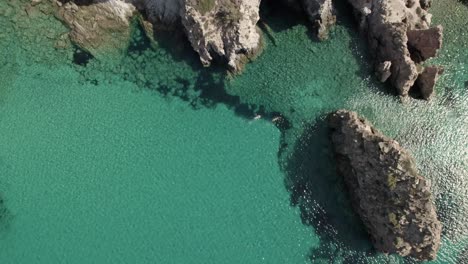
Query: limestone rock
pixel 427 80
pixel 389 26
pixel 101 27
pixel 391 197
pixel 223 28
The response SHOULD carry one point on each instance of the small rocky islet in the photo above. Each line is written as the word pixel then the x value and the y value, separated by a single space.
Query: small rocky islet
pixel 392 199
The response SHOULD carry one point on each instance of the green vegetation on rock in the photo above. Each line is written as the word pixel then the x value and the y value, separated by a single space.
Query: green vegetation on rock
pixel 391 181
pixel 205 6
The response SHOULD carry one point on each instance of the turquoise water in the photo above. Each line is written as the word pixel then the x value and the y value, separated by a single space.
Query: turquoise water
pixel 151 158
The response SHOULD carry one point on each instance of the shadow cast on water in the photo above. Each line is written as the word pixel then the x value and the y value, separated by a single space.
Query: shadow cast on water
pixel 319 193
pixel 308 164
pixel 209 89
pixel 313 184
pixel 359 48
pixel 277 16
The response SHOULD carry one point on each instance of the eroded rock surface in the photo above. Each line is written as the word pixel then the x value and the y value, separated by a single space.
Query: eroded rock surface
pixel 399 32
pixel 223 28
pixel 99 27
pixel 391 197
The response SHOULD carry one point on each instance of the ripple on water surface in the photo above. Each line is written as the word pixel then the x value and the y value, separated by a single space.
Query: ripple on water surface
pixel 147 157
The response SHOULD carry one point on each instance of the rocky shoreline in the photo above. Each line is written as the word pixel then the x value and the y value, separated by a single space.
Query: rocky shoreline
pixel 391 197
pixel 398 31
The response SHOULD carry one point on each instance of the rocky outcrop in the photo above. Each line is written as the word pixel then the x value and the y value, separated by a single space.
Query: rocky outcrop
pixel 391 197
pixel 217 29
pixel 101 28
pixel 399 34
pixel 320 12
pixel 398 30
pixel 223 28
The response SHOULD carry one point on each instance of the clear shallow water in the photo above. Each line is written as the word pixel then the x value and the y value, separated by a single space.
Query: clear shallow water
pixel 103 175
pixel 153 158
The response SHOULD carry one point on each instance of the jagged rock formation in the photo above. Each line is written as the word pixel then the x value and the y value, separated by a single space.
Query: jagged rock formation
pixel 398 30
pixel 320 12
pixel 223 28
pixel 399 38
pixel 391 197
pixel 101 28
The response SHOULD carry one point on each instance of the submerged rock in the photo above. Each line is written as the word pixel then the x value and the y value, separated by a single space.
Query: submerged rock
pixel 99 27
pixel 399 32
pixel 391 197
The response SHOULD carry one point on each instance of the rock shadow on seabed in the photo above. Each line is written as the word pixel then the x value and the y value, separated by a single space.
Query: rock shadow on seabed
pixel 5 216
pixel 209 87
pixel 277 16
pixel 359 47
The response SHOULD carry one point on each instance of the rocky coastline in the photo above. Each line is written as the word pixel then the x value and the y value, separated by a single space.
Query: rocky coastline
pixel 217 29
pixel 393 200
pixel 400 38
pixel 398 31
pixel 390 196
